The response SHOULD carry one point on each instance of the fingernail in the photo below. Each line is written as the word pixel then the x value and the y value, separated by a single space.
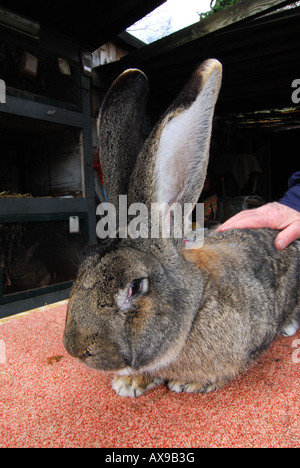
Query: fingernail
pixel 279 244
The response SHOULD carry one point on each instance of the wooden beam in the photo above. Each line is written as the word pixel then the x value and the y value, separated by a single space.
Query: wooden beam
pixel 248 9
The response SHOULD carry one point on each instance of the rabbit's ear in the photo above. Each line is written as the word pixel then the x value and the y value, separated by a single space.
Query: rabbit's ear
pixel 120 127
pixel 183 149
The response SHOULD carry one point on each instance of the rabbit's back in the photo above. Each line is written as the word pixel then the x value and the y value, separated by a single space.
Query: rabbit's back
pixel 243 266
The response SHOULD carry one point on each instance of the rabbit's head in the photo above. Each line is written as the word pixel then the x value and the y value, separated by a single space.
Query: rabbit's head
pixel 133 302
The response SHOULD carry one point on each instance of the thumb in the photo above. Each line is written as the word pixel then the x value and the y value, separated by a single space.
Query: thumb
pixel 287 236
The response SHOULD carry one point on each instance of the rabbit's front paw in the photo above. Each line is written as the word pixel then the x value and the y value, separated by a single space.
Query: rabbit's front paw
pixel 291 328
pixel 133 385
pixel 191 387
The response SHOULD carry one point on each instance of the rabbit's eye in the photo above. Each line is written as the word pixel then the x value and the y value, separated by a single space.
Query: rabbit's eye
pixel 126 297
pixel 134 288
pixel 137 286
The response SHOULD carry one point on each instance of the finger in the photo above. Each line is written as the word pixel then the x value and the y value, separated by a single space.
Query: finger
pixel 244 220
pixel 287 236
pixel 232 221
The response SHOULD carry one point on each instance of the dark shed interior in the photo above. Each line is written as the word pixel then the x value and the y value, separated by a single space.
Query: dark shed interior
pixel 47 176
pixel 53 95
pixel 257 120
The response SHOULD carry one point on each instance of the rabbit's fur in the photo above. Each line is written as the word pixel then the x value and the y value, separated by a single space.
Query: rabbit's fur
pixel 152 310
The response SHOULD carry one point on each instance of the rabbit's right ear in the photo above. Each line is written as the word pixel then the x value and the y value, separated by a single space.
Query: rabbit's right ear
pixel 120 126
pixel 171 169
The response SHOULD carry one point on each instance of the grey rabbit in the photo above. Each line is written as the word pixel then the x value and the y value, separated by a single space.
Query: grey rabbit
pixel 153 310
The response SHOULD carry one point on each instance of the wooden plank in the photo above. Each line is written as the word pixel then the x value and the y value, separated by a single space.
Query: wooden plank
pixel 251 37
pixel 242 51
pixel 248 9
pixel 41 111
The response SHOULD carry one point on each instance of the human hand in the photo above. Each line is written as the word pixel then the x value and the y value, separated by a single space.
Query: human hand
pixel 272 215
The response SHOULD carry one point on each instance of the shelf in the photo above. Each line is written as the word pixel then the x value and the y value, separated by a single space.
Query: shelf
pixel 47 112
pixel 21 206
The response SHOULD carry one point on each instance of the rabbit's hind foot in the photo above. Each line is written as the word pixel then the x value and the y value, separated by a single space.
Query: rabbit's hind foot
pixel 194 387
pixel 133 385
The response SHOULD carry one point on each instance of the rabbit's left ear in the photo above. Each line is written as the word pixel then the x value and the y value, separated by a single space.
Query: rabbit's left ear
pixel 185 131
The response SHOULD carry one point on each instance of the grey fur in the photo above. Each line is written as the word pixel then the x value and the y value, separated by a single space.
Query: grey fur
pixel 202 315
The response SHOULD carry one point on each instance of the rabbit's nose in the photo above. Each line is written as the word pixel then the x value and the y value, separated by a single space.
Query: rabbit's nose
pixel 71 345
pixel 85 355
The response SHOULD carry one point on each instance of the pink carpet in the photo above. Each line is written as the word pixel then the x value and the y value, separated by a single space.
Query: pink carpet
pixel 48 399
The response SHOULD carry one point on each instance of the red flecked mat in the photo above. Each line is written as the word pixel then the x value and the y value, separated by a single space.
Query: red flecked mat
pixel 48 399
